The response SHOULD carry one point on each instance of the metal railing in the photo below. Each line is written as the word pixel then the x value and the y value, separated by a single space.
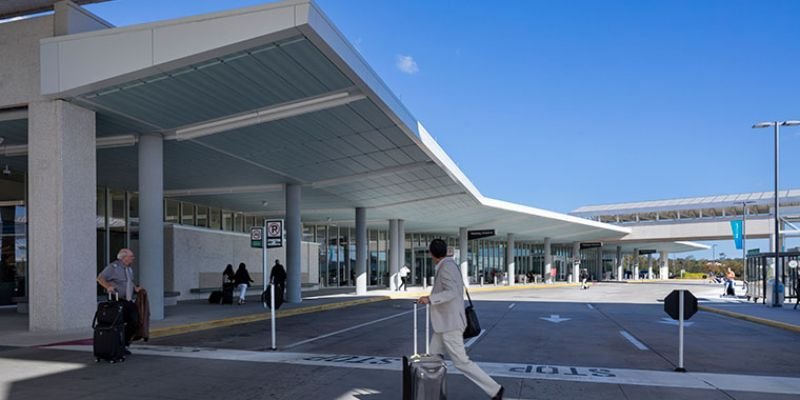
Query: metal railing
pixel 761 269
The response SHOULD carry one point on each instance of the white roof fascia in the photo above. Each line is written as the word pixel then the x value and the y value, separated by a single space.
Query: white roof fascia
pixel 84 62
pixel 537 212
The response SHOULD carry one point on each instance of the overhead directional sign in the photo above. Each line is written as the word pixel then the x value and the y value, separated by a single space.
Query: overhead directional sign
pixel 480 233
pixel 672 304
pixel 274 233
pixel 752 252
pixel 591 245
pixel 555 318
pixel 644 252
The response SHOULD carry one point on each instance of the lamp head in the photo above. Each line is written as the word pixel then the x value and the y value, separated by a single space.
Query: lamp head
pixel 763 125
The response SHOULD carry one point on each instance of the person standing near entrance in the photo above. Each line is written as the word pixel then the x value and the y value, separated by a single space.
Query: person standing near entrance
pixel 449 320
pixel 278 277
pixel 117 277
pixel 403 278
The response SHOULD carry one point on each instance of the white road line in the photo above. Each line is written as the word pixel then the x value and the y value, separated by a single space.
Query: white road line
pixel 591 307
pixel 327 335
pixel 639 345
pixel 473 340
pixel 614 376
pixel 511 305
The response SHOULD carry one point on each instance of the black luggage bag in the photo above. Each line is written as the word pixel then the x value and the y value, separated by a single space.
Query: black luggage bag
pixel 109 331
pixel 265 296
pixel 227 292
pixel 424 375
pixel 215 297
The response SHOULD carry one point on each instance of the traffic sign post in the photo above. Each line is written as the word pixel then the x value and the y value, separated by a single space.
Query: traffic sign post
pixel 273 237
pixel 680 305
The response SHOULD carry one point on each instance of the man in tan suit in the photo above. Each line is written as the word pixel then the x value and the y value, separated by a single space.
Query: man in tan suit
pixel 448 319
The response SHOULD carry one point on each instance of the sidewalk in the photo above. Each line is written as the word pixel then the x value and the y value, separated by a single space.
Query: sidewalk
pixel 785 317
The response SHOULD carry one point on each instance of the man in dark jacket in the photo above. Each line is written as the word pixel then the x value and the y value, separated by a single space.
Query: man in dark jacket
pixel 278 277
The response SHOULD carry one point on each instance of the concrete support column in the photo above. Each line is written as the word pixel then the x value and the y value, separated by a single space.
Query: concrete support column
pixel 361 250
pixel 510 259
pixel 635 264
pixel 62 207
pixel 548 260
pixel 649 266
pixel 401 246
pixel 151 222
pixel 620 270
pixel 599 269
pixel 663 271
pixel 463 254
pixel 394 259
pixel 576 262
pixel 294 236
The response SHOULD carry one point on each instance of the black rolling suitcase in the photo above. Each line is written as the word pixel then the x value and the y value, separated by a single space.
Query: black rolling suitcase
pixel 227 292
pixel 109 331
pixel 424 375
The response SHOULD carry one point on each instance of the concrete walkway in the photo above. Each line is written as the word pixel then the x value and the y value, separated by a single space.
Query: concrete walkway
pixel 785 317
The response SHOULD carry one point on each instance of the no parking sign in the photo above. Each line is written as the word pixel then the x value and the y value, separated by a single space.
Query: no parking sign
pixel 274 233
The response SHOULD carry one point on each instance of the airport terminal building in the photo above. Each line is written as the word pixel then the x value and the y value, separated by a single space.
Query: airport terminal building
pixel 174 138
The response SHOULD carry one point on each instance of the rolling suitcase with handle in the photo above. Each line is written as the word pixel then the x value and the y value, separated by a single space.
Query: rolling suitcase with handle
pixel 109 331
pixel 424 375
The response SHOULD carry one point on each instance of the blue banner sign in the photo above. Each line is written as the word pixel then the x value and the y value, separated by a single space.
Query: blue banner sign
pixel 736 227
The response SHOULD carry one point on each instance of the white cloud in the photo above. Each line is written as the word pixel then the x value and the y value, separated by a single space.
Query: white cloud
pixel 407 64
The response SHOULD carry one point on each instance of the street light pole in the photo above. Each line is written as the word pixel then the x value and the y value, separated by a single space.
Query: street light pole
pixel 776 247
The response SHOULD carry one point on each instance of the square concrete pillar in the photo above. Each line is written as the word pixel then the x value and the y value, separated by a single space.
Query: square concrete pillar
pixel 62 228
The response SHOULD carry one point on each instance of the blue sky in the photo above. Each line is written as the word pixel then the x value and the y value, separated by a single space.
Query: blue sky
pixel 558 104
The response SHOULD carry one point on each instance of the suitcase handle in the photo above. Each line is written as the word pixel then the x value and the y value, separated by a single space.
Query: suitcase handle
pixel 427 329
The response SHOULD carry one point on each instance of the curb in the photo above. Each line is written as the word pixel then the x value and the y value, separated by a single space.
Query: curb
pixel 758 320
pixel 246 319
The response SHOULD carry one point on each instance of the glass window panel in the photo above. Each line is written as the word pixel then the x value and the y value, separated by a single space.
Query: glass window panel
pixel 171 211
pixel 227 220
pixel 202 216
pixel 214 218
pixel 238 223
pixel 187 213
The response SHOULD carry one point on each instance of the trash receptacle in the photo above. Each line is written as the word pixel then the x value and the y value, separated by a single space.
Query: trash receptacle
pixel 770 295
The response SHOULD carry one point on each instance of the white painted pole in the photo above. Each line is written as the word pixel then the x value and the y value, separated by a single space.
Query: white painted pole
pixel 264 255
pixel 272 313
pixel 481 281
pixel 680 333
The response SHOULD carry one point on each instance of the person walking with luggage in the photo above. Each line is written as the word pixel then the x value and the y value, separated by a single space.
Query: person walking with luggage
pixel 449 320
pixel 117 278
pixel 403 278
pixel 730 280
pixel 278 277
pixel 242 280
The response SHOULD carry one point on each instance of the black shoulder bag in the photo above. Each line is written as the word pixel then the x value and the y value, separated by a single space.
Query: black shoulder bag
pixel 473 325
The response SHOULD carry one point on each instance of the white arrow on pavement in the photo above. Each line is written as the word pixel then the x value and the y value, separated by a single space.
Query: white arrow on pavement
pixel 670 321
pixel 555 318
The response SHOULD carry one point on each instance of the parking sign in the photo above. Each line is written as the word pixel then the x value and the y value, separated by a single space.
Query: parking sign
pixel 274 233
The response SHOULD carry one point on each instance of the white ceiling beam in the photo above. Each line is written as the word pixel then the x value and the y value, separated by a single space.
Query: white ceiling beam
pixel 213 191
pixel 372 174
pixel 267 114
pixel 400 203
pixel 106 142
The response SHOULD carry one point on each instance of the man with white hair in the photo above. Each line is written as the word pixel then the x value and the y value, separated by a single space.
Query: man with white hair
pixel 117 278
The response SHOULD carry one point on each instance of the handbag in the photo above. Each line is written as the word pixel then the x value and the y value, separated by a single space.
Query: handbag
pixel 473 325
